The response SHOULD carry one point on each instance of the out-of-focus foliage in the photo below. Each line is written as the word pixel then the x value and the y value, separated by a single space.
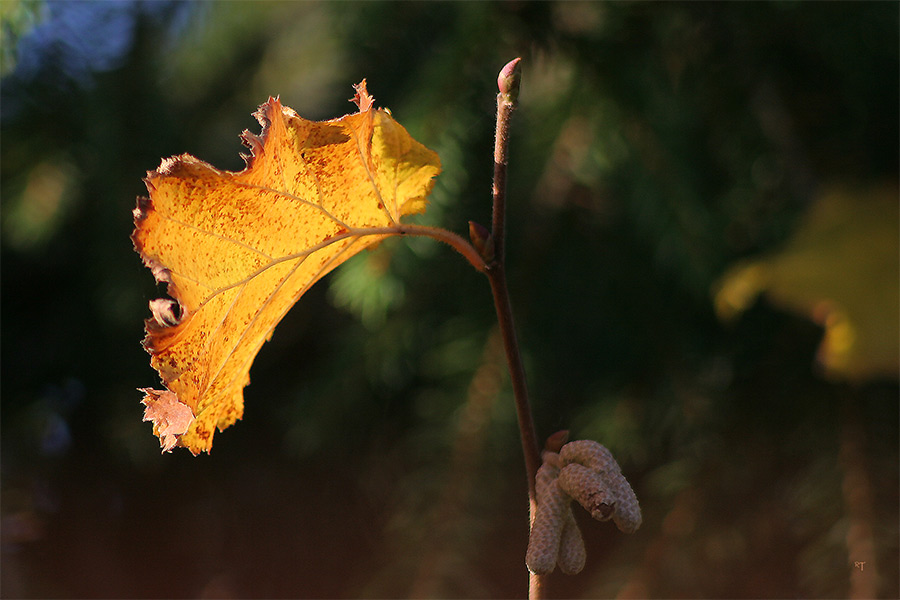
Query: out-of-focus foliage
pixel 16 18
pixel 657 147
pixel 841 270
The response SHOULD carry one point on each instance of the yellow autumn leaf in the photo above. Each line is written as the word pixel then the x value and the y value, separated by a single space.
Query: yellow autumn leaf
pixel 238 249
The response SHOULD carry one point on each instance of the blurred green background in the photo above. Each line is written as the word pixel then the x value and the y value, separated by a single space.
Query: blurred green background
pixel 703 265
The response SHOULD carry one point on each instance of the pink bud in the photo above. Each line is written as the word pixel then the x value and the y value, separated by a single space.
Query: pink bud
pixel 509 79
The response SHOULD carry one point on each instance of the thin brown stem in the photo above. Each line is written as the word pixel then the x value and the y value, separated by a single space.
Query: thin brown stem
pixel 448 237
pixel 508 83
pixel 530 447
pixel 501 159
pixel 493 264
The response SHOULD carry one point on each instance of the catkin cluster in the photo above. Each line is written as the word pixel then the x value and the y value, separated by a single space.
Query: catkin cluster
pixel 586 472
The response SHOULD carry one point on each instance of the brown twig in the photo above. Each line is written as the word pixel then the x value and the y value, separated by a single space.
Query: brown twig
pixel 508 83
pixel 453 240
pixel 487 254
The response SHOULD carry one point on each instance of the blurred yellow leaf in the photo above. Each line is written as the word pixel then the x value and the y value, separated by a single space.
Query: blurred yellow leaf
pixel 238 249
pixel 841 269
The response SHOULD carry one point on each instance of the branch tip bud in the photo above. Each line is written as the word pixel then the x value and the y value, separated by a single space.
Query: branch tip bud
pixel 509 79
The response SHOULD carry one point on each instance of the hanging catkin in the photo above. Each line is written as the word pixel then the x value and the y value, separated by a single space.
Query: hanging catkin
pixel 584 471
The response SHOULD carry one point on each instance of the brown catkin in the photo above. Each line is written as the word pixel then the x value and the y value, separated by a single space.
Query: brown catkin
pixel 546 531
pixel 594 456
pixel 590 489
pixel 548 471
pixel 572 554
pixel 589 453
pixel 586 472
pixel 627 515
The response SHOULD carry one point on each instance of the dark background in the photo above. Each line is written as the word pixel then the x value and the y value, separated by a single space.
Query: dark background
pixel 657 146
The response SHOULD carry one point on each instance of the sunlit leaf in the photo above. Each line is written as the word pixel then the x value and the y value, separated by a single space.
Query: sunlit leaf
pixel 238 249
